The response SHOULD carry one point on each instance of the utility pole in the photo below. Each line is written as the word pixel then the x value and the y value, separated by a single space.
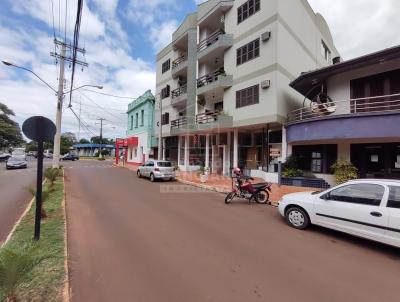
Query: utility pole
pixel 101 136
pixel 60 94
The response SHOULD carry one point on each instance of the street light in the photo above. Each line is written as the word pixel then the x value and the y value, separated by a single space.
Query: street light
pixel 60 95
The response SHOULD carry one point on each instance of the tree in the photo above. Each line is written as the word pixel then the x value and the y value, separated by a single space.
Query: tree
pixel 84 141
pixel 96 140
pixel 68 139
pixel 10 132
pixel 31 146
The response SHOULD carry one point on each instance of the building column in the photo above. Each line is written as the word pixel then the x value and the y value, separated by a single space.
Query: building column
pixel 207 161
pixel 235 147
pixel 344 151
pixel 186 151
pixel 179 150
pixel 228 153
pixel 285 147
pixel 163 149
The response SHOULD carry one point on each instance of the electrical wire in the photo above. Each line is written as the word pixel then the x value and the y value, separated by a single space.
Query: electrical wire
pixel 112 95
pixel 54 36
pixel 81 121
pixel 66 21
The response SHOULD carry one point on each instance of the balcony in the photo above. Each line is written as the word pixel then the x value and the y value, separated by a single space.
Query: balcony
pixel 217 80
pixel 182 125
pixel 214 46
pixel 179 96
pixel 362 118
pixel 179 67
pixel 212 120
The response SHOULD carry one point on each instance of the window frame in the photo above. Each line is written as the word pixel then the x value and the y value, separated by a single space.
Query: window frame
pixel 137 120
pixel 247 9
pixel 243 53
pixel 248 96
pixel 165 66
pixel 142 118
pixel 389 201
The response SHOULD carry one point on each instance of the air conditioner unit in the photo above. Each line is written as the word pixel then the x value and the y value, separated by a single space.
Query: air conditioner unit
pixel 266 36
pixel 265 84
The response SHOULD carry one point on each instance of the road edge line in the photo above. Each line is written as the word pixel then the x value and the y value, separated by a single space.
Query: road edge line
pixel 16 224
pixel 66 290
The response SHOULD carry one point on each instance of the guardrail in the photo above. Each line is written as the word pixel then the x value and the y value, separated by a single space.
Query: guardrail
pixel 179 61
pixel 179 91
pixel 359 106
pixel 210 40
pixel 210 78
pixel 178 123
pixel 208 117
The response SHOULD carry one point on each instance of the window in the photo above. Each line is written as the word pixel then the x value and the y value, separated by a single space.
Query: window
pixel 394 197
pixel 316 162
pixel 150 164
pixel 165 92
pixel 166 66
pixel 326 53
pixel 131 122
pixel 366 194
pixel 135 152
pixel 248 9
pixel 164 164
pixel 247 97
pixel 142 118
pixel 248 52
pixel 165 119
pixel 137 120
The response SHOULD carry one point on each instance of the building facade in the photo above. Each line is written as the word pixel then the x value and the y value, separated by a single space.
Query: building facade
pixel 223 82
pixel 352 112
pixel 140 139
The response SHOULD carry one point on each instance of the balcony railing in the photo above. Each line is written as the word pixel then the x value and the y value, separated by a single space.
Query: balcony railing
pixel 179 61
pixel 360 106
pixel 210 40
pixel 179 91
pixel 210 78
pixel 207 117
pixel 179 123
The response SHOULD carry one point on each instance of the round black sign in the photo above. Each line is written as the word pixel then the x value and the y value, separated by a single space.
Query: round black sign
pixel 39 128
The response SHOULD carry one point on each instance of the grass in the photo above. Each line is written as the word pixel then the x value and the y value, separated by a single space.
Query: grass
pixel 44 281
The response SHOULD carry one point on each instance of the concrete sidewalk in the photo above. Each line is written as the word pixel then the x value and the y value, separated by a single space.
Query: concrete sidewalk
pixel 223 184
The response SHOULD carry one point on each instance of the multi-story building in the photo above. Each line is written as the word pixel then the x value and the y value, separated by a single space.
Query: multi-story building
pixel 140 139
pixel 354 116
pixel 224 82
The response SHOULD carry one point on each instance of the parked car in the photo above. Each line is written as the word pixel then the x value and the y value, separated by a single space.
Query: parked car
pixel 4 156
pixel 368 208
pixel 19 153
pixel 157 169
pixel 16 163
pixel 68 156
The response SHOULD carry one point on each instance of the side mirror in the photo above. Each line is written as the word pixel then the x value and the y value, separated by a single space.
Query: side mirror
pixel 325 196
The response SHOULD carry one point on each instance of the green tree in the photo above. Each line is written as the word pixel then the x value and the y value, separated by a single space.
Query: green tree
pixel 10 132
pixel 84 141
pixel 68 139
pixel 31 146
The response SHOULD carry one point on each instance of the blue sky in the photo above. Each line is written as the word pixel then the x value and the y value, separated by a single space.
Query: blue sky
pixel 122 38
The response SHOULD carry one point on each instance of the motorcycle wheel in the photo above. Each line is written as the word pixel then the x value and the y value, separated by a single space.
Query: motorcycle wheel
pixel 262 197
pixel 230 197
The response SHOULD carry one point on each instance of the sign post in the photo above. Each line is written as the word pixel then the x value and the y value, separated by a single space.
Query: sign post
pixel 39 129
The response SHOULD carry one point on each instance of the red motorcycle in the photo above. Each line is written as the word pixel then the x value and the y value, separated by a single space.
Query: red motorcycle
pixel 244 189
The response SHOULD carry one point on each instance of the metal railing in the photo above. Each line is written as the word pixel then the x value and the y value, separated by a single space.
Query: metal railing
pixel 207 117
pixel 179 91
pixel 359 106
pixel 210 78
pixel 210 40
pixel 179 61
pixel 179 123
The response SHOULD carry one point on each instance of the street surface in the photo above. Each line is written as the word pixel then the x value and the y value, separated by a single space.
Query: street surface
pixel 129 242
pixel 14 194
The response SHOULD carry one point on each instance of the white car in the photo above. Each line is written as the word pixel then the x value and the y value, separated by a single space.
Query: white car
pixel 157 170
pixel 368 208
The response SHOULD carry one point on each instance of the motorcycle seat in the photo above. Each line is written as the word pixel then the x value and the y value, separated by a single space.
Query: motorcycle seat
pixel 260 185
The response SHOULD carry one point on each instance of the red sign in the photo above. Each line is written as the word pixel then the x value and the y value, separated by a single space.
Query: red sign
pixel 133 141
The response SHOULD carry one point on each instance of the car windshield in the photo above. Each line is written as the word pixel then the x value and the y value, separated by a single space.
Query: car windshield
pixel 18 152
pixel 164 164
pixel 14 159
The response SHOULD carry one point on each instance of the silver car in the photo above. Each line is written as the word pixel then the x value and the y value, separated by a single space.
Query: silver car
pixel 157 169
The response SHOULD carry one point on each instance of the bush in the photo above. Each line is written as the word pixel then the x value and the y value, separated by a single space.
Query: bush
pixel 292 172
pixel 51 175
pixel 101 158
pixel 344 171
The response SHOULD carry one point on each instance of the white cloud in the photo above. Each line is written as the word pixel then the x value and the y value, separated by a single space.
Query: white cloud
pixel 160 35
pixel 361 26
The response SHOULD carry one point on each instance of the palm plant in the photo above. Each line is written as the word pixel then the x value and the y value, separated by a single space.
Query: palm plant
pixel 51 175
pixel 45 195
pixel 14 266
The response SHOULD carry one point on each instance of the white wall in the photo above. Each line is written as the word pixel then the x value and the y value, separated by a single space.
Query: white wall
pixel 143 142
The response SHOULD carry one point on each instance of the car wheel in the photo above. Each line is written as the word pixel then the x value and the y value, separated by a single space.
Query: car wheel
pixel 297 218
pixel 138 174
pixel 152 178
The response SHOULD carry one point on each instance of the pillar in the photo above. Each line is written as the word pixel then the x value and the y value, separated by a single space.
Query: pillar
pixel 186 151
pixel 179 150
pixel 235 147
pixel 207 161
pixel 163 149
pixel 344 151
pixel 228 153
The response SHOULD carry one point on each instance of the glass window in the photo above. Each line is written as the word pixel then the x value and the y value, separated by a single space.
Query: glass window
pixel 166 66
pixel 248 52
pixel 150 164
pixel 164 164
pixel 142 118
pixel 137 120
pixel 316 162
pixel 366 194
pixel 248 9
pixel 248 96
pixel 394 197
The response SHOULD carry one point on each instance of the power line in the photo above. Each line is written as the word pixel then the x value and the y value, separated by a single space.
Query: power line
pixel 81 121
pixel 66 21
pixel 115 96
pixel 54 36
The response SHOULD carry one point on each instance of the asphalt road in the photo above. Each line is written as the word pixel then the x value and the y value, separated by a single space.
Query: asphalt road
pixel 130 242
pixel 14 194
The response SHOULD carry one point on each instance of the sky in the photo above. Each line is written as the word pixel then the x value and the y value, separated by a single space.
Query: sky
pixel 121 39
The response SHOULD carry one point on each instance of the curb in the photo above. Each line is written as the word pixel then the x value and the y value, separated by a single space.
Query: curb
pixel 66 290
pixel 27 209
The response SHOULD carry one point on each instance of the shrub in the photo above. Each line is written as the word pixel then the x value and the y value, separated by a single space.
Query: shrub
pixel 292 172
pixel 344 171
pixel 101 158
pixel 51 175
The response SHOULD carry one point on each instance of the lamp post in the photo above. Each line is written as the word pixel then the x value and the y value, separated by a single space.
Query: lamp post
pixel 60 96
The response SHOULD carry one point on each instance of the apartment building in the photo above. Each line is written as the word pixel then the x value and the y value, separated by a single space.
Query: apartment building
pixel 223 82
pixel 352 112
